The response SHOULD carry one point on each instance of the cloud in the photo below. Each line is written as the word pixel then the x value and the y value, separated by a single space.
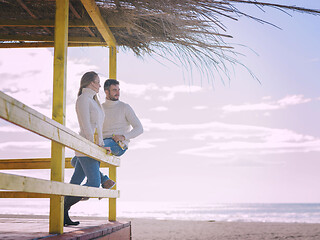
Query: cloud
pixel 200 107
pixel 138 90
pixel 148 124
pixel 172 91
pixel 249 107
pixel 266 98
pixel 150 91
pixel 293 100
pixel 220 141
pixel 25 146
pixel 159 109
pixel 290 100
pixel 146 143
pixel 251 141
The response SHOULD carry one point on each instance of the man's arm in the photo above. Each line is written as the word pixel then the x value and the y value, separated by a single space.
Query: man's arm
pixel 134 121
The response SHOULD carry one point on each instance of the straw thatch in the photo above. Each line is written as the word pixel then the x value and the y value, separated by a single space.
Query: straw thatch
pixel 193 31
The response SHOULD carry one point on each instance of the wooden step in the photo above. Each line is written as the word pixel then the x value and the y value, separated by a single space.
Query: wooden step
pixel 27 227
pixel 109 231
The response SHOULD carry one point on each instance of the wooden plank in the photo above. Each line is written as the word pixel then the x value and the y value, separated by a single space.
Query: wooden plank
pixel 112 62
pixel 42 38
pixel 123 234
pixel 34 163
pixel 13 194
pixel 113 202
pixel 109 231
pixel 94 13
pixel 34 185
pixel 113 170
pixel 49 45
pixel 22 115
pixel 76 14
pixel 59 110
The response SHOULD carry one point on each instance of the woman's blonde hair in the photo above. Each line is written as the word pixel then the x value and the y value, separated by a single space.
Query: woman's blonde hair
pixel 86 79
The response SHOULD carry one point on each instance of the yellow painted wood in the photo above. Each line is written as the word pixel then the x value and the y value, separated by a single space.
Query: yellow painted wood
pixel 94 13
pixel 49 45
pixel 31 163
pixel 95 136
pixel 6 164
pixel 113 62
pixel 113 170
pixel 59 110
pixel 41 38
pixel 13 194
pixel 34 185
pixel 22 115
pixel 57 161
pixel 34 163
pixel 113 201
pixel 56 215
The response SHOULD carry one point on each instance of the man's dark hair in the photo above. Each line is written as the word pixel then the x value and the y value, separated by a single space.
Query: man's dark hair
pixel 109 82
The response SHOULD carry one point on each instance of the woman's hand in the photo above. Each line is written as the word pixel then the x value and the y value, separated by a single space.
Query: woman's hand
pixel 108 149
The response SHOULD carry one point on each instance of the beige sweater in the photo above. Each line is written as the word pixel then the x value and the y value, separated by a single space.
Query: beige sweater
pixel 90 116
pixel 120 119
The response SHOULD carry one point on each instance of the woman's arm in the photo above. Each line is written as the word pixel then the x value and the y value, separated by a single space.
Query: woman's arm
pixel 83 113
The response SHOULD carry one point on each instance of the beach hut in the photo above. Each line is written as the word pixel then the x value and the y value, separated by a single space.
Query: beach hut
pixel 47 24
pixel 189 31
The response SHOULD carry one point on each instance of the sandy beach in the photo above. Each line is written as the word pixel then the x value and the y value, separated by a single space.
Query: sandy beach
pixel 145 229
pixel 27 227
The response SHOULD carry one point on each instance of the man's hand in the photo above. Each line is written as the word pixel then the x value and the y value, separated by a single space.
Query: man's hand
pixel 118 138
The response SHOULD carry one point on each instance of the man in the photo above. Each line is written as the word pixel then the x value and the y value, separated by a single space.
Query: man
pixel 120 124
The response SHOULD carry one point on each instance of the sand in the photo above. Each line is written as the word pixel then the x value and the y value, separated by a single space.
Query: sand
pixel 24 227
pixel 143 229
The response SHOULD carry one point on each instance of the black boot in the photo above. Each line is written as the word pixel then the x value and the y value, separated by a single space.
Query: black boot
pixel 68 202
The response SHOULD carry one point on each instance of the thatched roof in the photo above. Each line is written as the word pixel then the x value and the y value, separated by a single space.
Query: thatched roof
pixel 191 30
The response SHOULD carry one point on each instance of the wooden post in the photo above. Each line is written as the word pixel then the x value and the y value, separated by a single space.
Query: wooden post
pixel 59 110
pixel 113 62
pixel 113 170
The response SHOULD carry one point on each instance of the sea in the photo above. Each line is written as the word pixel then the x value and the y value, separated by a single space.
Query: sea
pixel 226 212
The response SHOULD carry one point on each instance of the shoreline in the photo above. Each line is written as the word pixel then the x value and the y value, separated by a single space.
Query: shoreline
pixel 152 229
pixel 91 218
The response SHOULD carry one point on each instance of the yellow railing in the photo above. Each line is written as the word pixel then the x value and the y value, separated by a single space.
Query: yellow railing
pixel 23 187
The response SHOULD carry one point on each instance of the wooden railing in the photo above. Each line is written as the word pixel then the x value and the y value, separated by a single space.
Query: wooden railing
pixel 24 187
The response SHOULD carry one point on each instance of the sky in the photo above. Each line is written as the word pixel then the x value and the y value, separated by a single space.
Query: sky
pixel 205 139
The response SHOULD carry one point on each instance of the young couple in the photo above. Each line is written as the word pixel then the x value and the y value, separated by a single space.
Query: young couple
pixel 112 120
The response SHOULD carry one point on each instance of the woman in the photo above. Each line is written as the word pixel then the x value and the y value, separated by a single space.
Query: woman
pixel 90 117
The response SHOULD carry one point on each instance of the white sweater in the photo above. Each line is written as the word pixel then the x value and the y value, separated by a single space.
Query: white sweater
pixel 119 119
pixel 90 116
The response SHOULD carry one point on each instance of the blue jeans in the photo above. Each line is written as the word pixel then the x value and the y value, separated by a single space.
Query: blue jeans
pixel 86 166
pixel 90 168
pixel 115 148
